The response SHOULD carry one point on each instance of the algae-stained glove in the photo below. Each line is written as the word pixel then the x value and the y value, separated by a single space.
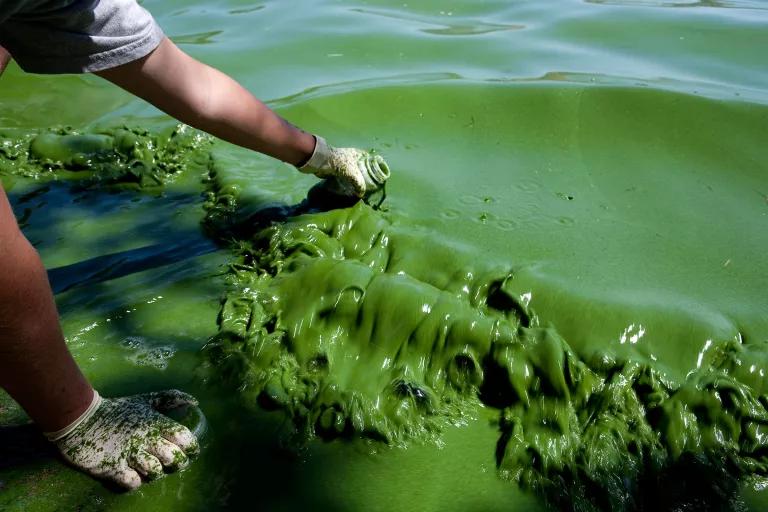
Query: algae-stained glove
pixel 119 439
pixel 353 171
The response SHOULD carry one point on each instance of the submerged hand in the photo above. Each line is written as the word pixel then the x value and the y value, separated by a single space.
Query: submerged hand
pixel 119 439
pixel 355 172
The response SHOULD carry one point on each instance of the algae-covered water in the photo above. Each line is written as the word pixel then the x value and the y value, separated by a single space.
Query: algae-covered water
pixel 578 196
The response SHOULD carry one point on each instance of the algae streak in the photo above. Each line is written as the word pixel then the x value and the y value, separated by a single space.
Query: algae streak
pixel 112 155
pixel 357 325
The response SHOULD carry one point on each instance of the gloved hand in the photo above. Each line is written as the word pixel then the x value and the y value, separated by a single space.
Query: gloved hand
pixel 354 171
pixel 119 439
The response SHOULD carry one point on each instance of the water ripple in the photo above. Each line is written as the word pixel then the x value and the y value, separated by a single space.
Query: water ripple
pixel 756 5
pixel 456 27
pixel 357 85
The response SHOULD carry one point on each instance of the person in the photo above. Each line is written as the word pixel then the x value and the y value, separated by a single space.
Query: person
pixel 125 439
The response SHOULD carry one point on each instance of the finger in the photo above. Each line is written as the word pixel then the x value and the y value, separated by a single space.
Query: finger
pixel 183 438
pixel 124 477
pixel 169 399
pixel 170 455
pixel 147 465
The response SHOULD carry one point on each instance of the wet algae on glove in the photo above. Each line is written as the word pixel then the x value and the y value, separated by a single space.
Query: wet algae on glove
pixel 358 324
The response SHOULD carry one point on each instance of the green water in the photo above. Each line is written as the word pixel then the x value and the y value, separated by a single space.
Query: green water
pixel 611 152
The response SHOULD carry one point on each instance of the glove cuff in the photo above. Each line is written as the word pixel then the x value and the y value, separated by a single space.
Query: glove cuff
pixel 319 158
pixel 64 432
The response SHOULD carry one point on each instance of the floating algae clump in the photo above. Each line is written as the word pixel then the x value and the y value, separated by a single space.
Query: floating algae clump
pixel 112 155
pixel 334 320
pixel 357 325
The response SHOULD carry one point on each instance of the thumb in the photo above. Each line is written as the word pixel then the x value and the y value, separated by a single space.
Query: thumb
pixel 356 184
pixel 163 401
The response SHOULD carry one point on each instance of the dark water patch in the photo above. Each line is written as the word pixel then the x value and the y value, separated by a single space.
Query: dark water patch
pixel 113 266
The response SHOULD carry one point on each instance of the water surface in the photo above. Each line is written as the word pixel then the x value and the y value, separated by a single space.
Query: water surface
pixel 612 151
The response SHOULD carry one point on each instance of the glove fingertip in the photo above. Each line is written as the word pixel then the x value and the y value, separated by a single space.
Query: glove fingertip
pixel 126 478
pixel 184 439
pixel 169 454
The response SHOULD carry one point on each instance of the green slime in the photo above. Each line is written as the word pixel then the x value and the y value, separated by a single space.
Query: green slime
pixel 358 324
pixel 112 155
pixel 355 323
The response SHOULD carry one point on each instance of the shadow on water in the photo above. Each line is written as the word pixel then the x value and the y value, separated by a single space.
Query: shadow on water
pixel 22 445
pixel 119 264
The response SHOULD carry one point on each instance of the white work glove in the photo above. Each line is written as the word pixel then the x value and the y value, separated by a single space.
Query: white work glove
pixel 119 439
pixel 351 171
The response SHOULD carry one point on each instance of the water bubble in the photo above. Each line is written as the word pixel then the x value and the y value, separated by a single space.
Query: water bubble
pixel 144 354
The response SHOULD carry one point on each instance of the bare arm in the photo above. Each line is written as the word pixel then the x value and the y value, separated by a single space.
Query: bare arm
pixel 209 100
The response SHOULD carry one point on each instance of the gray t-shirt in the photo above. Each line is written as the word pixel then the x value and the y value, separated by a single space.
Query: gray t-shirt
pixel 76 36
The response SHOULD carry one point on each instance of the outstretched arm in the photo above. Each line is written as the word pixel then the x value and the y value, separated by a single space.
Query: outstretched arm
pixel 209 100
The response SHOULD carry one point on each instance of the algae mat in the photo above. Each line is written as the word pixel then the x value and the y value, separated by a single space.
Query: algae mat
pixel 608 155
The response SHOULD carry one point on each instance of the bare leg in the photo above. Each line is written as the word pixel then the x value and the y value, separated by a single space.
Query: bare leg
pixel 5 58
pixel 36 368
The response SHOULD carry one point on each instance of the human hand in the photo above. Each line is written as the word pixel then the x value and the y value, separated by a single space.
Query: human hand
pixel 355 172
pixel 119 439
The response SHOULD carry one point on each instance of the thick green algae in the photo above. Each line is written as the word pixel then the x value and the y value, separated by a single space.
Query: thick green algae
pixel 100 312
pixel 110 155
pixel 357 324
